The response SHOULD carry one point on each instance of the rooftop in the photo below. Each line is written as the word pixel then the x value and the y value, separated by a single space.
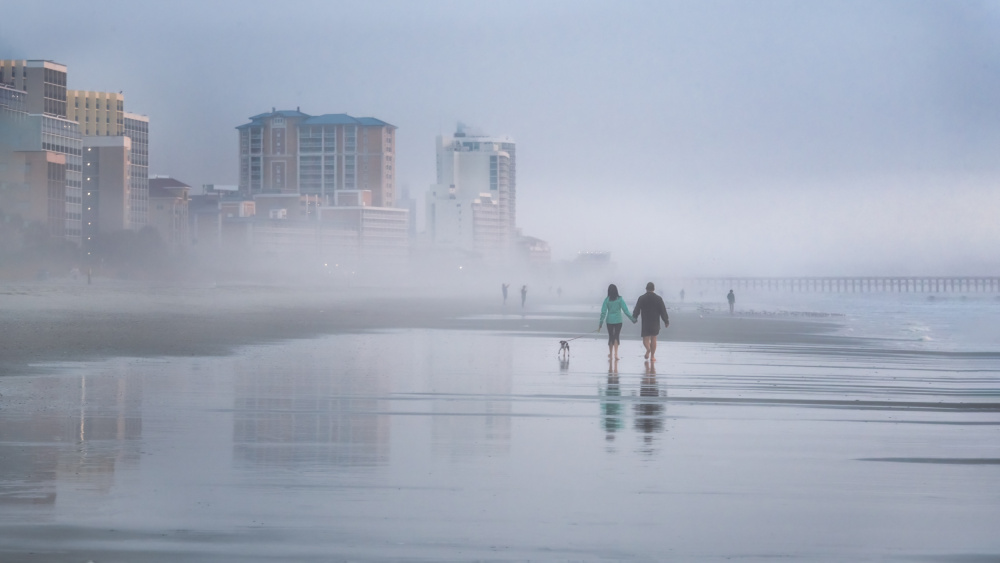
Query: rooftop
pixel 325 119
pixel 168 192
pixel 163 183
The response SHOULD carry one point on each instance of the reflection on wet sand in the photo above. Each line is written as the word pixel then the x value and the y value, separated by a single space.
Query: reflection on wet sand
pixel 611 403
pixel 98 427
pixel 305 411
pixel 649 408
pixel 470 404
pixel 444 445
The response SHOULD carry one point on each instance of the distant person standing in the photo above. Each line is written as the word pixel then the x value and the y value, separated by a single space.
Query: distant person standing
pixel 612 308
pixel 503 287
pixel 524 294
pixel 731 297
pixel 682 295
pixel 650 308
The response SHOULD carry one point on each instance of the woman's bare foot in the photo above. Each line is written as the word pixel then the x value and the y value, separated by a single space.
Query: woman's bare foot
pixel 647 355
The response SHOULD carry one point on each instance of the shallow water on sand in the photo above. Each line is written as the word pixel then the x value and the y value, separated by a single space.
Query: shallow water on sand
pixel 440 445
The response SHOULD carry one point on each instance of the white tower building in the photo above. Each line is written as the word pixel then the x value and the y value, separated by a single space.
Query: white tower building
pixel 472 206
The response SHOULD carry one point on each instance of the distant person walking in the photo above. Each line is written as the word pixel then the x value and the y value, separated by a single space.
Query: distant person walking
pixel 524 294
pixel 650 309
pixel 731 297
pixel 503 287
pixel 612 308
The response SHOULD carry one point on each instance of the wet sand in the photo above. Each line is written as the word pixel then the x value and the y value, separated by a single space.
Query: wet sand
pixel 71 322
pixel 408 429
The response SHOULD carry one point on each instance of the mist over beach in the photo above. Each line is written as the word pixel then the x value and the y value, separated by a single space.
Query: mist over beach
pixel 332 281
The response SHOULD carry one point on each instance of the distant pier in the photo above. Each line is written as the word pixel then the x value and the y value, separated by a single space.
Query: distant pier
pixel 853 284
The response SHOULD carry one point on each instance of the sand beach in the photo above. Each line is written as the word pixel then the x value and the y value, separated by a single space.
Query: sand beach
pixel 257 423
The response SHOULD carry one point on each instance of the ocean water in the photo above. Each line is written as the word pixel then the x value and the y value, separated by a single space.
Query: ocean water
pixel 439 445
pixel 918 321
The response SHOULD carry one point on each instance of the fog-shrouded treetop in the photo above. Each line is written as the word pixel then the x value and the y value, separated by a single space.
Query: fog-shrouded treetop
pixel 719 137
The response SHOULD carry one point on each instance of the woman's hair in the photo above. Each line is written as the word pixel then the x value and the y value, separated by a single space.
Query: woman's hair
pixel 612 292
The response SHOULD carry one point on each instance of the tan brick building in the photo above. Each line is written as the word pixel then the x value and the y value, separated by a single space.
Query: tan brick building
pixel 290 152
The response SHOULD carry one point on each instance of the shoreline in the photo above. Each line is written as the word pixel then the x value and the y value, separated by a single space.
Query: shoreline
pixel 54 323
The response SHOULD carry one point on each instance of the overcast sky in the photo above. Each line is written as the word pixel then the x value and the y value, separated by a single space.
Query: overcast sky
pixel 743 138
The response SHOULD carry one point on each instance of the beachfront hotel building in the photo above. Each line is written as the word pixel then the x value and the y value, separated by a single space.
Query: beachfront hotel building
pixel 33 121
pixel 52 118
pixel 472 206
pixel 290 152
pixel 44 82
pixel 98 113
pixel 105 187
pixel 136 128
pixel 324 182
pixel 102 114
pixel 169 200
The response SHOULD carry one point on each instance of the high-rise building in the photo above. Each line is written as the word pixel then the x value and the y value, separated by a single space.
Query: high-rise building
pixel 105 186
pixel 35 120
pixel 137 130
pixel 473 204
pixel 290 152
pixel 12 99
pixel 98 113
pixel 169 200
pixel 43 81
pixel 33 187
pixel 103 114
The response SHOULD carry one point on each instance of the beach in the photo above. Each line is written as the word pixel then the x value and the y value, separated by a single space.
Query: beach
pixel 255 423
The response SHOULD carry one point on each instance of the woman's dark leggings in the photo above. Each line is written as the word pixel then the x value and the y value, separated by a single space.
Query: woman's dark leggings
pixel 614 332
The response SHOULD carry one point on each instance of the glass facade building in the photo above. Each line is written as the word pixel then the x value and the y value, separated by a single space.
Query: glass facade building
pixel 136 128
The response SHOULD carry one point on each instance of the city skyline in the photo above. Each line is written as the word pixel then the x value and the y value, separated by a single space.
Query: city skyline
pixel 767 138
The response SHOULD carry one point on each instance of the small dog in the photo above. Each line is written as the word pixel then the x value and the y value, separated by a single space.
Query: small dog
pixel 564 348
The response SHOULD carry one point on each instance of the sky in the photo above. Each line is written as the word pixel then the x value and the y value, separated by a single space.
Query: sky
pixel 702 137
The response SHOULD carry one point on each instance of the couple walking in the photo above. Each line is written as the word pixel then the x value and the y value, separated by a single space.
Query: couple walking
pixel 649 307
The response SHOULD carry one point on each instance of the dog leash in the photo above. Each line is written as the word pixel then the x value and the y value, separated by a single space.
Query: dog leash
pixel 582 335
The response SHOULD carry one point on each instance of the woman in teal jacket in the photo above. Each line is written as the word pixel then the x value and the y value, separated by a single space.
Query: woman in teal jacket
pixel 613 308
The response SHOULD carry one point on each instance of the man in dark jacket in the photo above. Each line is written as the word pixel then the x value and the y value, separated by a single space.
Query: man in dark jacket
pixel 650 309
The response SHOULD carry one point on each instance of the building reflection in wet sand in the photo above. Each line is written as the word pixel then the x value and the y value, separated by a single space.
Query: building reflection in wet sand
pixel 321 408
pixel 337 402
pixel 471 400
pixel 89 429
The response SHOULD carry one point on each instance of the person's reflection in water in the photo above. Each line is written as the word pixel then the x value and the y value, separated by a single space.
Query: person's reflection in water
pixel 649 409
pixel 611 405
